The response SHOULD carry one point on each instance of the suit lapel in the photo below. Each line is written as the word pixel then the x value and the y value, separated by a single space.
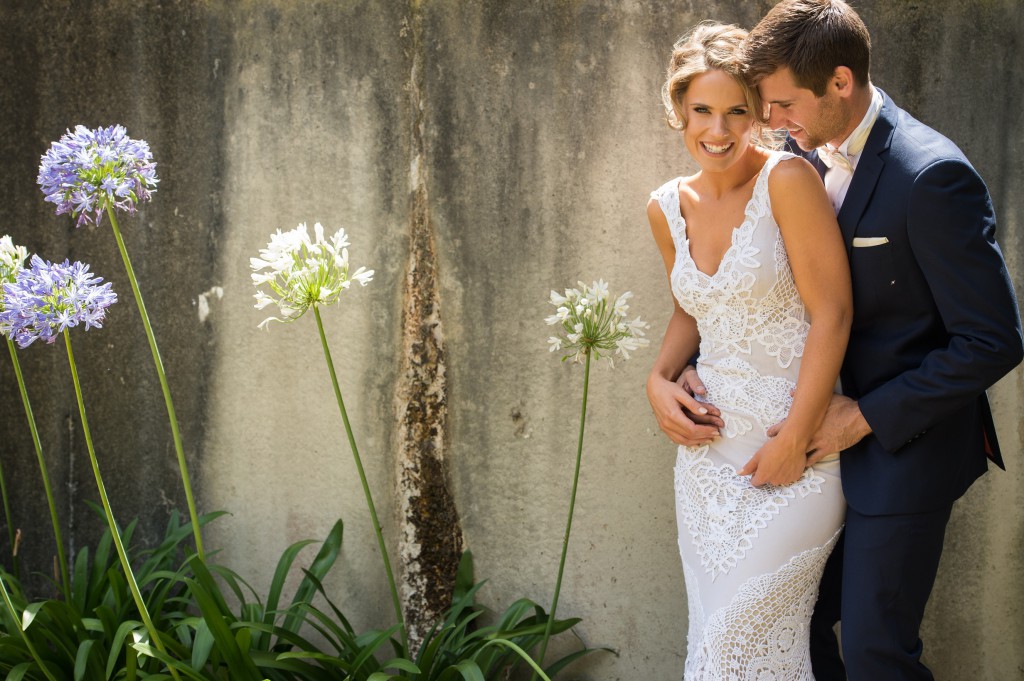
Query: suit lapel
pixel 818 164
pixel 869 168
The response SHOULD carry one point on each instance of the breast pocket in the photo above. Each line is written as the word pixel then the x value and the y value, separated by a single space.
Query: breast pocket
pixel 875 280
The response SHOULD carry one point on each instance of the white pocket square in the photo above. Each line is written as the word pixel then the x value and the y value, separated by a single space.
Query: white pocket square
pixel 865 241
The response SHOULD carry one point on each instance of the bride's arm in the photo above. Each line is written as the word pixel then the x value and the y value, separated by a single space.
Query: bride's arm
pixel 821 271
pixel 680 343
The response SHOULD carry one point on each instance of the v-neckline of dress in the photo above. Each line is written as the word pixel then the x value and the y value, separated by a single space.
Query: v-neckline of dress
pixel 747 216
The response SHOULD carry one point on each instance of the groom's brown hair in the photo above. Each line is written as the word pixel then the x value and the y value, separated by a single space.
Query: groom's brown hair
pixel 811 38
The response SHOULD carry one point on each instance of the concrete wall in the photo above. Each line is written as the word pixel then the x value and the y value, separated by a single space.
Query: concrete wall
pixel 534 133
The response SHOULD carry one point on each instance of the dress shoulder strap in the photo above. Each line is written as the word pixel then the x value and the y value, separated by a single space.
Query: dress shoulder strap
pixel 760 199
pixel 667 196
pixel 773 160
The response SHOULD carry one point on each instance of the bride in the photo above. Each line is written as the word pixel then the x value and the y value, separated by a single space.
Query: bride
pixel 761 286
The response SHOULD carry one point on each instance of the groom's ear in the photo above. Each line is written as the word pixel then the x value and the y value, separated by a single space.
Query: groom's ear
pixel 842 81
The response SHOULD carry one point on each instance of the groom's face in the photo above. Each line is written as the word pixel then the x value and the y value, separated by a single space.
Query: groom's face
pixel 810 120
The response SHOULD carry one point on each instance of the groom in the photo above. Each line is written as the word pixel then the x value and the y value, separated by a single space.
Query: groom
pixel 935 324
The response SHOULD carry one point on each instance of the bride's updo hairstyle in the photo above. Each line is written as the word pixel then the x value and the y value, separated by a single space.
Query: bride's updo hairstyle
pixel 710 46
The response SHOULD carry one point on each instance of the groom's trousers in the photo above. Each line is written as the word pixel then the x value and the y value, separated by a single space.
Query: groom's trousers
pixel 877 582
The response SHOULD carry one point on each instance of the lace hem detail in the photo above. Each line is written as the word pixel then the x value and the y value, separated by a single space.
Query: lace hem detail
pixel 763 634
pixel 694 608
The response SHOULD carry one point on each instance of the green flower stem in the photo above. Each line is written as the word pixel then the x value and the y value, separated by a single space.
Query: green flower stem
pixel 362 479
pixel 16 568
pixel 178 448
pixel 61 558
pixel 114 531
pixel 568 523
pixel 17 623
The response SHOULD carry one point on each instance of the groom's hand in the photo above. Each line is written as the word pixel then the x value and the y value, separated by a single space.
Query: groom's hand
pixel 842 427
pixel 685 420
pixel 690 381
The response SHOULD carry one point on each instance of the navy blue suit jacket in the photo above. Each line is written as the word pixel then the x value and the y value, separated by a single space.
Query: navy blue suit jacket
pixel 935 320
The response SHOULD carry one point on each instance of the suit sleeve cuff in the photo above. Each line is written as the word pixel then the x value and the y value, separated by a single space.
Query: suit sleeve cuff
pixel 891 428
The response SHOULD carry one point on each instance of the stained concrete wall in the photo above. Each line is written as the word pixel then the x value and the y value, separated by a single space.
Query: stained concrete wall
pixel 536 134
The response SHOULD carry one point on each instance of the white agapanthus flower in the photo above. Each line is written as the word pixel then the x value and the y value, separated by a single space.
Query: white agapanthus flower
pixel 301 272
pixel 591 322
pixel 12 259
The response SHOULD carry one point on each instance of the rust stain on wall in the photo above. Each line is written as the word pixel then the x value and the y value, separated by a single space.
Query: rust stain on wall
pixel 430 541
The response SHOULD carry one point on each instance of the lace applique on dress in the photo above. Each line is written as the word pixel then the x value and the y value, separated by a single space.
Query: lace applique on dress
pixel 695 611
pixel 723 512
pixel 748 616
pixel 782 328
pixel 762 635
pixel 735 383
pixel 722 303
pixel 739 304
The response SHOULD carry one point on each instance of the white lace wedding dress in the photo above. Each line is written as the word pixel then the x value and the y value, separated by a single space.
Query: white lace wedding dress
pixel 752 557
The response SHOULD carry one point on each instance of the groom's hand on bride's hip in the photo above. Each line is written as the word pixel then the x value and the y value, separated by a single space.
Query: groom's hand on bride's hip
pixel 690 382
pixel 707 414
pixel 842 427
pixel 684 419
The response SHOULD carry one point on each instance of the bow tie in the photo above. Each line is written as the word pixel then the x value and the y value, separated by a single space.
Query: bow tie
pixel 834 159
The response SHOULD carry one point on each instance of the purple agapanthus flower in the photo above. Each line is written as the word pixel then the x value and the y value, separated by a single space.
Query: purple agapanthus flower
pixel 47 298
pixel 88 170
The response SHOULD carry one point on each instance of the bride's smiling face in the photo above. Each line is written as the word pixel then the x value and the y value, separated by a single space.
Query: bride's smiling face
pixel 718 120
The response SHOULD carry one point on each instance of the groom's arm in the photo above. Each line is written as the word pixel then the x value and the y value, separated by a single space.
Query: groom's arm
pixel 951 231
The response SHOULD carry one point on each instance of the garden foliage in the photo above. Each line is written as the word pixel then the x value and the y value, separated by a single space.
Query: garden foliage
pixel 123 611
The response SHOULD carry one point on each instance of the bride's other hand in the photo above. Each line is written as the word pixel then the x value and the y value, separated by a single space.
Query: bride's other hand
pixel 678 413
pixel 777 462
pixel 672 383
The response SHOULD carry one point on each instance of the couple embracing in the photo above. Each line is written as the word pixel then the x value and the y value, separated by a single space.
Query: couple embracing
pixel 840 310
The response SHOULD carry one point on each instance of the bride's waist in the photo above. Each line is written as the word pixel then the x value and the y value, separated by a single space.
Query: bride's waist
pixel 738 387
pixel 731 368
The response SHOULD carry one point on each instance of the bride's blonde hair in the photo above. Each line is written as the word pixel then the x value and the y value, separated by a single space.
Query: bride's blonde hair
pixel 711 46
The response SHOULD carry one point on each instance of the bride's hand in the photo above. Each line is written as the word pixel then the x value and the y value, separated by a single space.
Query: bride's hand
pixel 842 427
pixel 777 462
pixel 677 412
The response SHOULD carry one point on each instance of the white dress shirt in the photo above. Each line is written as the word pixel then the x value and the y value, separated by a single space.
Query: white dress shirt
pixel 842 161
